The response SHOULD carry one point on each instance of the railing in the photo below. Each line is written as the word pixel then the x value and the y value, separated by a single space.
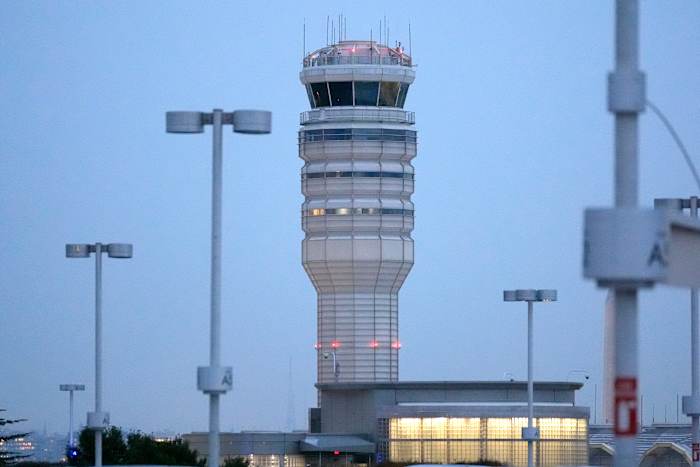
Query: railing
pixel 323 60
pixel 355 114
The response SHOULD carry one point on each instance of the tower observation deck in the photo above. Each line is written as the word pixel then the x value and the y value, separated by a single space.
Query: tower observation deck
pixel 357 144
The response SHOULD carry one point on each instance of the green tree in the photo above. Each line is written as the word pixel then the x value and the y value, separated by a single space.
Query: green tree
pixel 236 462
pixel 10 457
pixel 143 449
pixel 113 447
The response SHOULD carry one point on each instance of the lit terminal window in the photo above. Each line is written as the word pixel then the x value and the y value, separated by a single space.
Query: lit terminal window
pixel 458 440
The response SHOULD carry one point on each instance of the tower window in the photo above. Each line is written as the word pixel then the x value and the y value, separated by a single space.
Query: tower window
pixel 366 92
pixel 319 92
pixel 388 93
pixel 341 92
pixel 402 95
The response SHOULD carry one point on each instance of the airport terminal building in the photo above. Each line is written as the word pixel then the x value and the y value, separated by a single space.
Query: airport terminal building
pixel 423 422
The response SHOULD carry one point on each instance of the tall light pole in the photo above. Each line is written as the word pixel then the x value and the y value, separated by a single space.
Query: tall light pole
pixel 691 404
pixel 214 379
pixel 71 388
pixel 98 420
pixel 530 295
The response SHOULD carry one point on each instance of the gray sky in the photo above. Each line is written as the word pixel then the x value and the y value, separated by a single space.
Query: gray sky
pixel 514 142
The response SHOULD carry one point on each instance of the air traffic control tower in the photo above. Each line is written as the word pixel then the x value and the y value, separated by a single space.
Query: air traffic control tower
pixel 357 143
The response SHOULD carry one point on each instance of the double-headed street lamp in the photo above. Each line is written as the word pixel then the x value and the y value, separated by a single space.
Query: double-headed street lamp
pixel 214 379
pixel 530 295
pixel 70 449
pixel 98 420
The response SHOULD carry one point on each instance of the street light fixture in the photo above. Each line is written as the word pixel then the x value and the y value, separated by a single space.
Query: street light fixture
pixel 691 404
pixel 71 388
pixel 530 295
pixel 214 379
pixel 98 420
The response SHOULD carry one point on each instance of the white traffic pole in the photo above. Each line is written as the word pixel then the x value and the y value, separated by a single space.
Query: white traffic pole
pixel 98 349
pixel 214 353
pixel 624 103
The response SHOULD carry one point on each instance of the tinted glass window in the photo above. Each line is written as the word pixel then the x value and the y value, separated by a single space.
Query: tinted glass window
pixel 367 134
pixel 402 95
pixel 388 92
pixel 320 94
pixel 311 99
pixel 337 134
pixel 341 93
pixel 366 92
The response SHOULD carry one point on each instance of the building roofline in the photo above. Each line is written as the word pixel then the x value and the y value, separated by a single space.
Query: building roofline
pixel 446 385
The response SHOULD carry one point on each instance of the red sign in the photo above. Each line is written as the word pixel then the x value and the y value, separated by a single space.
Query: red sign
pixel 626 407
pixel 696 452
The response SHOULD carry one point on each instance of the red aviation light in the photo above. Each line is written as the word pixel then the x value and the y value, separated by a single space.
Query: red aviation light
pixel 374 344
pixel 335 344
pixel 317 345
pixel 396 345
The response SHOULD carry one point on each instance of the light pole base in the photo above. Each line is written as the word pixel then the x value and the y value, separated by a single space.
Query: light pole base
pixel 214 380
pixel 97 421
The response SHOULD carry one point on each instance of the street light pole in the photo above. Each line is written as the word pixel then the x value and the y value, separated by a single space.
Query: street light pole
pixel 98 420
pixel 691 404
pixel 530 434
pixel 98 349
pixel 216 380
pixel 71 388
pixel 694 359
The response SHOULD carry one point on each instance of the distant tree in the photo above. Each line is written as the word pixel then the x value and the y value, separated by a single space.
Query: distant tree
pixel 113 447
pixel 236 462
pixel 143 449
pixel 7 456
pixel 482 462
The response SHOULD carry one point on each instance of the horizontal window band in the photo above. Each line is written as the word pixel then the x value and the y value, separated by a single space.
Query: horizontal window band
pixel 338 174
pixel 356 211
pixel 357 134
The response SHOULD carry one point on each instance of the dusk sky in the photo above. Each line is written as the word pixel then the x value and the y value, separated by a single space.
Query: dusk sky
pixel 515 141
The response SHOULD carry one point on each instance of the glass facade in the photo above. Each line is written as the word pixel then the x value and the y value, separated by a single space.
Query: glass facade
pixel 452 440
pixel 349 93
pixel 357 134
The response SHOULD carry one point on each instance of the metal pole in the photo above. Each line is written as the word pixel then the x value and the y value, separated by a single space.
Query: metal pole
pixel 626 183
pixel 694 345
pixel 214 351
pixel 625 370
pixel 98 349
pixel 70 420
pixel 530 385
